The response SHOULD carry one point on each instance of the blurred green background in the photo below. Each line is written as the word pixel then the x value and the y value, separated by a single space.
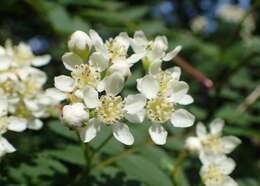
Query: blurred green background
pixel 215 49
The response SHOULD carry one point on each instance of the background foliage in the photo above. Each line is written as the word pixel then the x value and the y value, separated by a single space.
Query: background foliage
pixel 53 155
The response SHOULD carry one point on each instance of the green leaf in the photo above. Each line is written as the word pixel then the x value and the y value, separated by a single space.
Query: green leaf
pixel 139 168
pixel 59 128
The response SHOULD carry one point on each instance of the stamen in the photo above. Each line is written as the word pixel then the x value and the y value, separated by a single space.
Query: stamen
pixel 111 109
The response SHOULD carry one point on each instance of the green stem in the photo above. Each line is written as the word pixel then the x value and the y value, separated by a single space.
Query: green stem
pixel 182 155
pixel 103 143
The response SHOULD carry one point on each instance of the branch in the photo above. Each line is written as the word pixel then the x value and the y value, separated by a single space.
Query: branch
pixel 199 76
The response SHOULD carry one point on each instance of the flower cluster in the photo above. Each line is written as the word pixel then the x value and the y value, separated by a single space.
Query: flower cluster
pixel 23 101
pixel 98 71
pixel 212 149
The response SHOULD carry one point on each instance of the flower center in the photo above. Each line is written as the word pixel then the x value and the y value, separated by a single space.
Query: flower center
pixel 159 110
pixel 212 144
pixel 213 176
pixel 111 109
pixel 116 49
pixel 8 87
pixel 85 75
pixel 22 111
pixel 30 87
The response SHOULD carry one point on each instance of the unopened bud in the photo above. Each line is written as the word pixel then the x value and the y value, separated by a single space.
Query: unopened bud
pixel 80 43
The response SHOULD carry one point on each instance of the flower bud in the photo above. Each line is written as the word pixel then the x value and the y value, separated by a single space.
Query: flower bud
pixel 80 44
pixel 75 115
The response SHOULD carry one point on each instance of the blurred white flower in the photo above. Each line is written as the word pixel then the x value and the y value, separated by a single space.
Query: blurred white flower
pixel 212 143
pixel 199 24
pixel 163 92
pixel 215 171
pixel 5 147
pixel 9 122
pixel 21 85
pixel 21 55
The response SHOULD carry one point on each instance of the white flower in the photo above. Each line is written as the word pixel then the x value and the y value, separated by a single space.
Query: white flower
pixel 113 54
pixel 80 43
pixel 22 55
pixel 216 170
pixel 163 92
pixel 5 147
pixel 199 24
pixel 111 109
pixel 212 143
pixel 9 122
pixel 75 114
pixel 152 51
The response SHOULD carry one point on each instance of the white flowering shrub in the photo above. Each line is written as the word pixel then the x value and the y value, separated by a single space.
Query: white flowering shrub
pixel 99 70
pixel 117 106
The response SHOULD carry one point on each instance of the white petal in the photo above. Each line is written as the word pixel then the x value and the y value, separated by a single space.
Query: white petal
pixel 177 90
pixel 158 134
pixel 161 42
pixel 99 61
pixel 7 146
pixel 122 40
pixel 201 130
pixel 148 86
pixel 122 133
pixel 139 42
pixel 87 133
pixel 216 126
pixel 186 100
pixel 121 67
pixel 38 76
pixel 175 72
pixel 55 94
pixel 64 83
pixel 6 62
pixel 3 107
pixel 114 83
pixel 35 124
pixel 17 124
pixel 97 41
pixel 227 165
pixel 155 54
pixel 193 144
pixel 182 118
pixel 134 58
pixel 134 103
pixel 136 118
pixel 70 60
pixel 39 61
pixel 229 143
pixel 172 54
pixel 7 75
pixel 32 104
pixel 155 67
pixel 228 181
pixel 90 96
pixel 75 114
